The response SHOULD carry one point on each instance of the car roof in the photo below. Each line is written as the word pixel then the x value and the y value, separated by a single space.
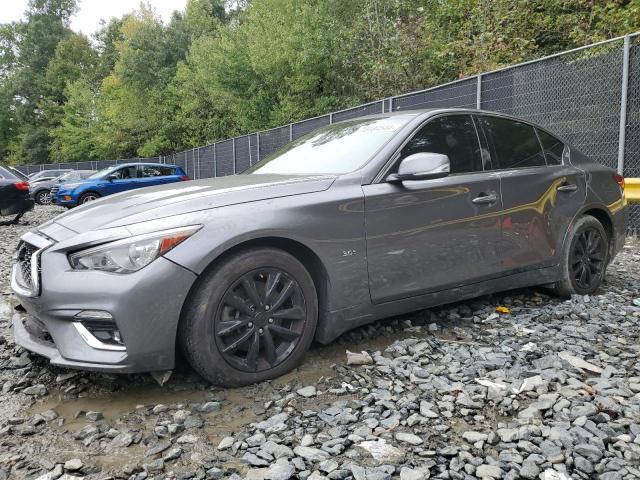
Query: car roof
pixel 148 164
pixel 427 112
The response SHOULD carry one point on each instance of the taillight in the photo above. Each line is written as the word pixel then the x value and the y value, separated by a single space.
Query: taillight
pixel 619 180
pixel 184 178
pixel 24 186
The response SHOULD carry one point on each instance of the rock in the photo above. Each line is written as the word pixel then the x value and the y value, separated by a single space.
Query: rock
pixel 307 392
pixel 172 454
pixel 225 443
pixel 187 439
pixel 210 407
pixel 362 358
pixel 382 452
pixel 488 471
pixel 411 474
pixel 408 438
pixel 121 440
pixel 281 470
pixel 35 390
pixel 311 454
pixel 529 470
pixel 73 465
pixel 579 363
pixel 473 437
pixel 93 416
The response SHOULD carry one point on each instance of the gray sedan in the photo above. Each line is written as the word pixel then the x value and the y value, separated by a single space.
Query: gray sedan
pixel 356 221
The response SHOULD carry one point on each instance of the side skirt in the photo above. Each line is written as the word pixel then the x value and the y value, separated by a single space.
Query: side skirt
pixel 333 324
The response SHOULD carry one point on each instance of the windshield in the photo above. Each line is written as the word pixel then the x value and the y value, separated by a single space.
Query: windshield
pixel 102 173
pixel 334 149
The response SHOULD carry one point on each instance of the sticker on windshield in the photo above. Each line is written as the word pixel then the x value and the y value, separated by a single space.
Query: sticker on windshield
pixel 381 127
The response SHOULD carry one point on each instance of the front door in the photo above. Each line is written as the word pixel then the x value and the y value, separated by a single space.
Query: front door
pixel 124 179
pixel 425 236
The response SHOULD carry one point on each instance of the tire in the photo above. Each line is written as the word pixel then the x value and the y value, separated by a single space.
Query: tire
pixel 594 261
pixel 43 197
pixel 210 322
pixel 88 197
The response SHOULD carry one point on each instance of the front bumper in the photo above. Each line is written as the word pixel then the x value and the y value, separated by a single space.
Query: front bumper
pixel 145 307
pixel 65 200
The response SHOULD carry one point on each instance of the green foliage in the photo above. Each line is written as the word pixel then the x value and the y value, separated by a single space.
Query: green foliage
pixel 226 67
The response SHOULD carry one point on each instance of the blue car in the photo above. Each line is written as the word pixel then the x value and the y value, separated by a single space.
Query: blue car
pixel 116 179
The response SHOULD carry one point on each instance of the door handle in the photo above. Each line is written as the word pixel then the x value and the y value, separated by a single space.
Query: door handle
pixel 567 187
pixel 484 198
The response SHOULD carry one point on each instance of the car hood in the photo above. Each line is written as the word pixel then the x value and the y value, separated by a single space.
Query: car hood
pixel 153 203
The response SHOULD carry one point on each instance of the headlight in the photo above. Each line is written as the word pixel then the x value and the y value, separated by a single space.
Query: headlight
pixel 131 254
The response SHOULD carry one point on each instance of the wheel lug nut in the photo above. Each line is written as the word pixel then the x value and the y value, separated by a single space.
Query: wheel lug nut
pixel 250 325
pixel 271 320
pixel 267 307
pixel 260 330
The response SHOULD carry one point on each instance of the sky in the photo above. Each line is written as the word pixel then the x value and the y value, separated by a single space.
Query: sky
pixel 87 20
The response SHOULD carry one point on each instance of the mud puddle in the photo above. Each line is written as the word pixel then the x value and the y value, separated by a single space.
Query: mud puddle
pixel 248 401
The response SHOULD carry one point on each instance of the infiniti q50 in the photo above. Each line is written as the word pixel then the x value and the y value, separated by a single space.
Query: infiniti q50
pixel 355 221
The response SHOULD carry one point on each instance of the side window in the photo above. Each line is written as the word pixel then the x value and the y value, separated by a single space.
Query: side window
pixel 155 171
pixel 515 144
pixel 454 136
pixel 126 173
pixel 553 148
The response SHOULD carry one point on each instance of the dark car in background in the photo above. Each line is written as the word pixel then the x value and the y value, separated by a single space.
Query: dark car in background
pixel 44 190
pixel 116 179
pixel 355 221
pixel 14 194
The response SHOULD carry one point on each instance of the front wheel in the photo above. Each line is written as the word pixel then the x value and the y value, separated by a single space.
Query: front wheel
pixel 43 197
pixel 585 258
pixel 88 197
pixel 250 319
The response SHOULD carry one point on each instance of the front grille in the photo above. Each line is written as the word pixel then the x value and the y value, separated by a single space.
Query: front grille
pixel 54 193
pixel 27 267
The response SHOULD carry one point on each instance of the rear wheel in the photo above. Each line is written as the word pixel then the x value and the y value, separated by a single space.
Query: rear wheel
pixel 585 258
pixel 43 197
pixel 250 319
pixel 88 197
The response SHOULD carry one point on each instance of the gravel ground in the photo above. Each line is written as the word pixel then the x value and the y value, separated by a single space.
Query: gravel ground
pixel 549 389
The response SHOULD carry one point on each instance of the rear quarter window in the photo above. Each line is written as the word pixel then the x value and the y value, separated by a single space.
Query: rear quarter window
pixel 554 149
pixel 513 144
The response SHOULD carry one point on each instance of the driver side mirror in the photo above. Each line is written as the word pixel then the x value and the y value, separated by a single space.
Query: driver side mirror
pixel 421 166
pixel 111 177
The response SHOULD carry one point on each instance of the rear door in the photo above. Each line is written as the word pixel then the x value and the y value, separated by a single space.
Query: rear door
pixel 154 175
pixel 541 191
pixel 430 235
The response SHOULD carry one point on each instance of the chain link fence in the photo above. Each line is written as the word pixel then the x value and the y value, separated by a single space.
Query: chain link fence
pixel 589 96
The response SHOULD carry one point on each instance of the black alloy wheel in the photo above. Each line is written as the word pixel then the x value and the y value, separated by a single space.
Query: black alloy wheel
pixel 260 320
pixel 587 260
pixel 250 318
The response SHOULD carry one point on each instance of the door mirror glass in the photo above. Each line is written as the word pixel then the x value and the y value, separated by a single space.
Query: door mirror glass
pixel 113 176
pixel 421 166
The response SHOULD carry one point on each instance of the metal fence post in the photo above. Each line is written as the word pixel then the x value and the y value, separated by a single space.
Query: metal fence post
pixel 199 172
pixel 249 140
pixel 233 153
pixel 623 103
pixel 258 145
pixel 215 166
pixel 479 92
pixel 330 118
pixel 391 104
pixel 290 131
